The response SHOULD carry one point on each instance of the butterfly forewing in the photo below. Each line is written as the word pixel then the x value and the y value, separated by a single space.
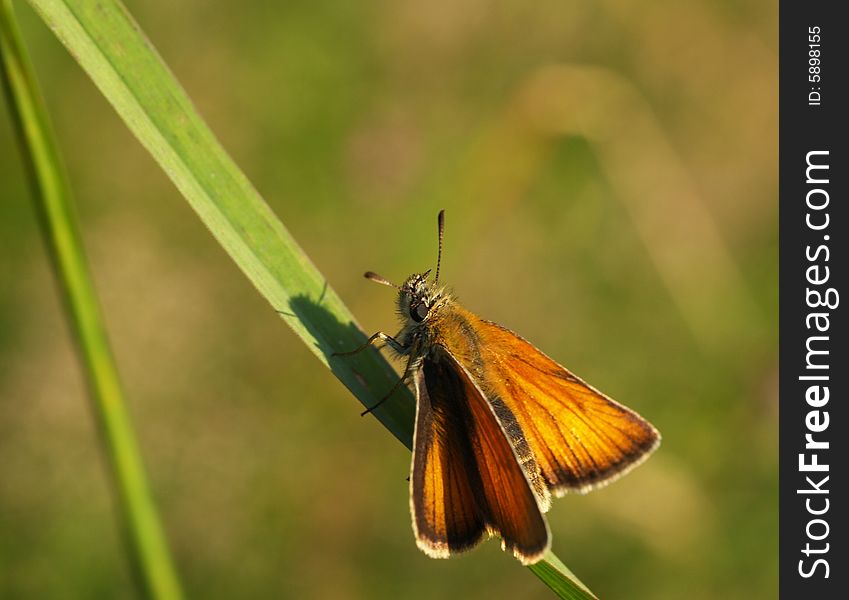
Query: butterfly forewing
pixel 579 437
pixel 462 422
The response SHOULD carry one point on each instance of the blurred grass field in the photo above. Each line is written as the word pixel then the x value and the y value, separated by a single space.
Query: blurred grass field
pixel 609 174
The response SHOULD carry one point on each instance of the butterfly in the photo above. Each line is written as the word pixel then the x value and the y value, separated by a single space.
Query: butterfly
pixel 500 427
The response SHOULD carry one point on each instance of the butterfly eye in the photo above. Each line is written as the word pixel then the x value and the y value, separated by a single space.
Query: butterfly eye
pixel 418 312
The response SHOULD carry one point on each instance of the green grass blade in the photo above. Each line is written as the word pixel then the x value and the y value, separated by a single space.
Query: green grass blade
pixel 560 579
pixel 146 543
pixel 108 44
pixel 105 40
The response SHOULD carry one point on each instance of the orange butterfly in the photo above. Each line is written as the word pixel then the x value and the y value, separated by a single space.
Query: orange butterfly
pixel 499 427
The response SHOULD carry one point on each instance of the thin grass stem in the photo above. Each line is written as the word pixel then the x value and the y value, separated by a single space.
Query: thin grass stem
pixel 143 533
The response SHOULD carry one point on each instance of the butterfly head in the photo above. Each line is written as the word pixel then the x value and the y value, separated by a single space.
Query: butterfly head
pixel 417 297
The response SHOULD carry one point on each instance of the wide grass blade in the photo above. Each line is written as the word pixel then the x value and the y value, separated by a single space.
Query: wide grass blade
pixel 143 533
pixel 108 44
pixel 560 579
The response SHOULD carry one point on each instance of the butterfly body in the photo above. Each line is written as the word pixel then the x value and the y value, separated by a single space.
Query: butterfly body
pixel 500 427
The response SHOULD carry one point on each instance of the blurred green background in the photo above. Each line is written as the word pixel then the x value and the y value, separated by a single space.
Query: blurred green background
pixel 609 172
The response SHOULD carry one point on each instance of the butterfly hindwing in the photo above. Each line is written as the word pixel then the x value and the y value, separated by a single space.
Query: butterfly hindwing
pixel 444 505
pixel 460 421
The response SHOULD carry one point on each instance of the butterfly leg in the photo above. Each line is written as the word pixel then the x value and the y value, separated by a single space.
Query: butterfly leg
pixel 388 339
pixel 407 371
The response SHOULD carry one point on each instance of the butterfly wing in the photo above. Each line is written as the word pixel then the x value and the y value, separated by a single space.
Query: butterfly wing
pixel 443 498
pixel 466 478
pixel 580 438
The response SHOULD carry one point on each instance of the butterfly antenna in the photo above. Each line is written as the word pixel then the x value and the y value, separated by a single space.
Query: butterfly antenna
pixel 378 279
pixel 441 221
